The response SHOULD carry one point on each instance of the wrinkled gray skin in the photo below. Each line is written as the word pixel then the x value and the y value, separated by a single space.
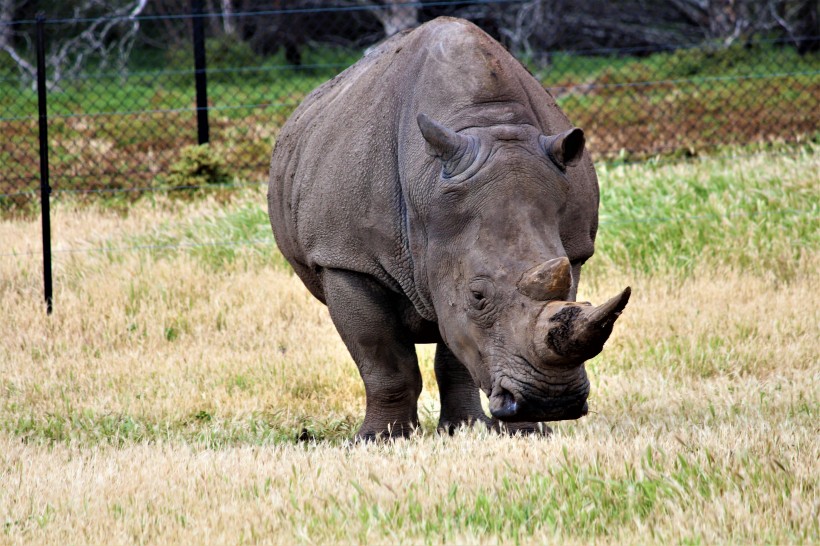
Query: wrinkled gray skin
pixel 434 193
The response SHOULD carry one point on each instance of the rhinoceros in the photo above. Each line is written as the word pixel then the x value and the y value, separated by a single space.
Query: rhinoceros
pixel 434 192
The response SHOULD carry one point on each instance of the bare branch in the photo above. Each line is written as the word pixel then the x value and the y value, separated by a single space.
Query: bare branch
pixel 228 22
pixel 781 21
pixel 394 15
pixel 23 64
pixel 108 40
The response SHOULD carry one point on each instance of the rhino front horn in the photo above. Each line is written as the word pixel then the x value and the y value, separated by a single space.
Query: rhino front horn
pixel 456 152
pixel 578 332
pixel 604 316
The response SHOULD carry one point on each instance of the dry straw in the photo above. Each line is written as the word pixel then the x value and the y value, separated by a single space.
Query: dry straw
pixel 160 403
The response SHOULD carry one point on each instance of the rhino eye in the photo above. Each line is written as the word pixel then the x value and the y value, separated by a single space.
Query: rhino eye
pixel 481 292
pixel 479 301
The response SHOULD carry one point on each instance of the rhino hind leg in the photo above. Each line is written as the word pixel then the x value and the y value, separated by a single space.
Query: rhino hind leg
pixel 363 312
pixel 460 400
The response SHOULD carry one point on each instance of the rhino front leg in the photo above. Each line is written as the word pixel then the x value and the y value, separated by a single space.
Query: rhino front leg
pixel 460 400
pixel 365 314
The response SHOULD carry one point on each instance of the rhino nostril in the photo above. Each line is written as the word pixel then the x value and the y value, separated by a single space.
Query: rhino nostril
pixel 502 403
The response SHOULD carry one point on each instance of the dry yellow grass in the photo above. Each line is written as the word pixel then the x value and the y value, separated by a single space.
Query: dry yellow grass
pixel 160 404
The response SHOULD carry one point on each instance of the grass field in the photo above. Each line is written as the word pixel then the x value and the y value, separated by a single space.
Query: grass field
pixel 162 400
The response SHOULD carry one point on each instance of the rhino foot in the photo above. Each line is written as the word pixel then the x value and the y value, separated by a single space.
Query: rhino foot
pixel 449 427
pixel 389 433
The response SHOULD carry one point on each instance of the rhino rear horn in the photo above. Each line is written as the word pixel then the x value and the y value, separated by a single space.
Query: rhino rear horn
pixel 565 148
pixel 548 281
pixel 456 152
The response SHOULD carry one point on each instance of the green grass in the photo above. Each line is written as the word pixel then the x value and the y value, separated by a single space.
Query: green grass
pixel 569 496
pixel 216 241
pixel 88 428
pixel 655 218
pixel 658 219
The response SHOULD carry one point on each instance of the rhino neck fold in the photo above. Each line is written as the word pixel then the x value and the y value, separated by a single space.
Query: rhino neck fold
pixel 415 283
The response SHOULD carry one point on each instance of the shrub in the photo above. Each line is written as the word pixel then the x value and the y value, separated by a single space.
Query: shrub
pixel 198 167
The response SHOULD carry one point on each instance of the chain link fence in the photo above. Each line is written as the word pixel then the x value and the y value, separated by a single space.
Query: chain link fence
pixel 125 129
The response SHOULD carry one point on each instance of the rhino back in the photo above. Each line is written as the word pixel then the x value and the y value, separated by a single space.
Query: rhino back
pixel 350 176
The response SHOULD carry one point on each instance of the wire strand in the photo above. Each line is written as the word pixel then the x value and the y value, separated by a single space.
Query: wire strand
pixel 608 161
pixel 295 102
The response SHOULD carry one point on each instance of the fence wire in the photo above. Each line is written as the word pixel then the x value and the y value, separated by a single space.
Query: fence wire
pixel 128 130
pixel 33 195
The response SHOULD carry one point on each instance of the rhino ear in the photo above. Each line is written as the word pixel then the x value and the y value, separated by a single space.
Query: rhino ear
pixel 456 152
pixel 565 148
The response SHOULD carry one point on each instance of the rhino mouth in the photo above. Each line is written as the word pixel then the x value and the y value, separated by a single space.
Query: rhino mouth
pixel 512 400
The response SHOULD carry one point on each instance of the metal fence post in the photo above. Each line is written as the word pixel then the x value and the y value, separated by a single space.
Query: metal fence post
pixel 199 71
pixel 45 188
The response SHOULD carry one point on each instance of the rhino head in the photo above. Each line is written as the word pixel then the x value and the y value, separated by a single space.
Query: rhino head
pixel 511 220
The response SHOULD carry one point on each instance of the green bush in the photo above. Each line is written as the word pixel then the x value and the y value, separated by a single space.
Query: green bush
pixel 198 167
pixel 9 72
